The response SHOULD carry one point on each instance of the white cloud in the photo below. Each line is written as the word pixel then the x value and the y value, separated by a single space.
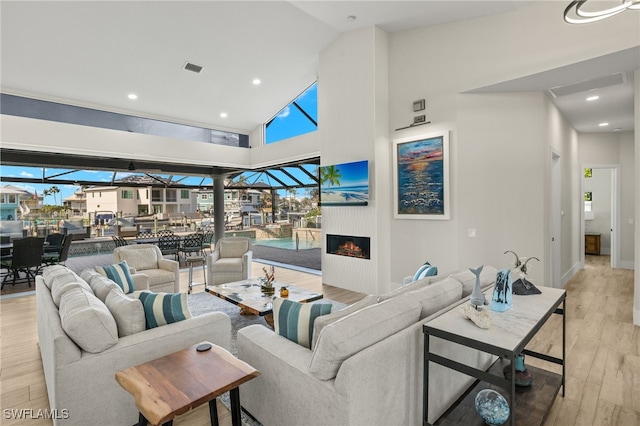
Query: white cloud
pixel 25 174
pixel 284 113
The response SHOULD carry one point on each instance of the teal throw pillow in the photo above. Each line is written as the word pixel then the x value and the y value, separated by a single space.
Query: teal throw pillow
pixel 294 320
pixel 119 274
pixel 425 270
pixel 163 308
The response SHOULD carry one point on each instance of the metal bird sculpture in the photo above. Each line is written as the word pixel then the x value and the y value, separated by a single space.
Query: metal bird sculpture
pixel 522 286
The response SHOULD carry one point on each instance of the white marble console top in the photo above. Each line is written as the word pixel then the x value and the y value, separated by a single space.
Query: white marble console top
pixel 509 328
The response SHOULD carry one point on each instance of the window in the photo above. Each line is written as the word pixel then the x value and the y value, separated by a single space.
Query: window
pixel 297 118
pixel 156 195
pixel 12 198
pixel 172 196
pixel 204 196
pixel 184 194
pixel 126 194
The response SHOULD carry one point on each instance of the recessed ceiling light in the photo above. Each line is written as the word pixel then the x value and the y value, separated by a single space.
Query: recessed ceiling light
pixel 223 115
pixel 132 96
pixel 603 124
pixel 617 129
pixel 256 81
pixel 593 98
pixel 351 18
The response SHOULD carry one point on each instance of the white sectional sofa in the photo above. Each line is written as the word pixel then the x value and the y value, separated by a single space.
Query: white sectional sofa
pixel 365 366
pixel 80 371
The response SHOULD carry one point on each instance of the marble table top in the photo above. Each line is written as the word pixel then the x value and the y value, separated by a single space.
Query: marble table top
pixel 508 329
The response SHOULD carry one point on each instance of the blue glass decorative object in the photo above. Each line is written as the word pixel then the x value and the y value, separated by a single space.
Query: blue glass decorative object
pixel 501 300
pixel 492 407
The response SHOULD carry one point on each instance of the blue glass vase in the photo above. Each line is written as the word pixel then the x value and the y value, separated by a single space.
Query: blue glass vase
pixel 501 300
pixel 492 407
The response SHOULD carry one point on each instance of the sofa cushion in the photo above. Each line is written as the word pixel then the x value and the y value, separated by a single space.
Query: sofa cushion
pixel 141 258
pixel 50 272
pixel 87 321
pixel 102 286
pixel 159 276
pixel 163 308
pixel 63 282
pixel 437 296
pixel 294 320
pixel 355 332
pixel 324 320
pixel 228 264
pixel 233 248
pixel 468 279
pixel 119 274
pixel 409 287
pixel 128 312
pixel 88 274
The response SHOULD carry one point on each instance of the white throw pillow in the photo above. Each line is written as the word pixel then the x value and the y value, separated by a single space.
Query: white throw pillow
pixel 50 272
pixel 87 321
pixel 128 312
pixel 355 332
pixel 63 282
pixel 102 286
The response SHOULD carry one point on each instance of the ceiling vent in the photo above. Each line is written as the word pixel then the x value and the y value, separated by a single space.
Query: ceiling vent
pixel 193 67
pixel 586 85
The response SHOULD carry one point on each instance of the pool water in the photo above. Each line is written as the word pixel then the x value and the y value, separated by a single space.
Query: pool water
pixel 287 243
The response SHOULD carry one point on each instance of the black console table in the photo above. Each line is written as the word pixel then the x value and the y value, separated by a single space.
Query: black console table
pixel 508 336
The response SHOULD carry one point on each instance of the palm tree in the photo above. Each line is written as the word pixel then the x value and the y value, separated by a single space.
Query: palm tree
pixel 330 175
pixel 45 194
pixel 54 190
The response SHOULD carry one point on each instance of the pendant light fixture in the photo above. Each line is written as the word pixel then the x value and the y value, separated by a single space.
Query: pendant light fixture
pixel 574 13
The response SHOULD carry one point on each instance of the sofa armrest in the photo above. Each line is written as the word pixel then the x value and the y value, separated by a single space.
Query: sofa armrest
pixel 141 281
pixel 285 376
pixel 171 265
pixel 77 394
pixel 247 258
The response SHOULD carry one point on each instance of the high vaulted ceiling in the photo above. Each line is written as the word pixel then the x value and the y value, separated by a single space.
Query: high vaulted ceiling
pixel 95 53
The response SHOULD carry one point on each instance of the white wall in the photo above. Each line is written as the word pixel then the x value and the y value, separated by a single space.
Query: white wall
pixel 352 111
pixel 438 63
pixel 49 136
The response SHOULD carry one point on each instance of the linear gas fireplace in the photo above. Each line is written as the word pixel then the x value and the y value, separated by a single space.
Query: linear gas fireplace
pixel 349 245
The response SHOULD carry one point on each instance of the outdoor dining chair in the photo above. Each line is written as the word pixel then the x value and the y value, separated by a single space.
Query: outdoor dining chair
pixel 26 257
pixel 61 255
pixel 119 241
pixel 164 233
pixel 169 244
pixel 192 245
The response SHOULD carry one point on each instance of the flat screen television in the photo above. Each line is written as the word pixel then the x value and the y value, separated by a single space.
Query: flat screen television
pixel 345 184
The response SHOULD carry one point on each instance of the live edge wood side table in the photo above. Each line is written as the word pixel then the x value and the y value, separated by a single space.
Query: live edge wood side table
pixel 508 336
pixel 172 385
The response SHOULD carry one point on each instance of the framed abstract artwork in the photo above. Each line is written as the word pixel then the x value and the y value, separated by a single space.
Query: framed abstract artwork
pixel 421 177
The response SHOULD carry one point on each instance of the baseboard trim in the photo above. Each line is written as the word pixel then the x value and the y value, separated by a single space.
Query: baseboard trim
pixel 626 264
pixel 571 272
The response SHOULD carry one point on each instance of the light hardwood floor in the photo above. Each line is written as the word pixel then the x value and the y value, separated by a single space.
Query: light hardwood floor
pixel 603 350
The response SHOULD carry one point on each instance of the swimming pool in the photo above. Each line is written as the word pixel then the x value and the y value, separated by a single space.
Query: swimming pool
pixel 287 243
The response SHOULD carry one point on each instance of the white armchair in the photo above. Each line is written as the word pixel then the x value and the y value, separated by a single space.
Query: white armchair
pixel 164 274
pixel 230 261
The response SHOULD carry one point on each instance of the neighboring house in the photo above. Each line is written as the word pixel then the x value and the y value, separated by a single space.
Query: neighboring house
pixel 126 200
pixel 235 200
pixel 76 204
pixel 14 202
